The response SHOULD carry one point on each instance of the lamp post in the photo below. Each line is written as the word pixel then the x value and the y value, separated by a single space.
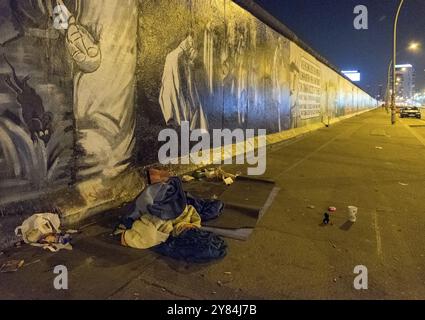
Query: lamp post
pixel 388 93
pixel 393 111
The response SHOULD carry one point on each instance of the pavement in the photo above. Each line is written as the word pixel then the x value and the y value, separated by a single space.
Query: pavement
pixel 363 161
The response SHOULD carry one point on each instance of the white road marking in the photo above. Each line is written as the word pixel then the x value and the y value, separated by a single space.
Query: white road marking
pixel 377 235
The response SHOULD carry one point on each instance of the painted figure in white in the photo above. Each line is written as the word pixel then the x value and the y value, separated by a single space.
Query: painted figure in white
pixel 179 97
pixel 104 88
pixel 281 83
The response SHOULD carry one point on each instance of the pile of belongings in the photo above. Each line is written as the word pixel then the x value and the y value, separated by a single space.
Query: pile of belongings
pixel 43 230
pixel 168 219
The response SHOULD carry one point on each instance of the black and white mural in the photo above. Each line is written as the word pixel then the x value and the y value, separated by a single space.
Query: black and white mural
pixel 86 100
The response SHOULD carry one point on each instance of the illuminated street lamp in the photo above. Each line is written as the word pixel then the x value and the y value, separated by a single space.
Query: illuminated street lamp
pixel 414 46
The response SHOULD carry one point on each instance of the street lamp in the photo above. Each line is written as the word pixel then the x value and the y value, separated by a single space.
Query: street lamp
pixel 393 111
pixel 413 46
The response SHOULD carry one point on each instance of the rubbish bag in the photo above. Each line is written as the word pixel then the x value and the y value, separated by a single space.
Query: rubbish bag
pixel 37 226
pixel 37 229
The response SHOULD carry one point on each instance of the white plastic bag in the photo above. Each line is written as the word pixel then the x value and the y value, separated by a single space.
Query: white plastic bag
pixel 37 226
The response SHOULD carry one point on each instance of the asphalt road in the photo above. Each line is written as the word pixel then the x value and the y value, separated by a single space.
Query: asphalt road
pixel 362 161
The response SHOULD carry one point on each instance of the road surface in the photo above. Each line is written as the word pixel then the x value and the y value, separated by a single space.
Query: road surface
pixel 362 161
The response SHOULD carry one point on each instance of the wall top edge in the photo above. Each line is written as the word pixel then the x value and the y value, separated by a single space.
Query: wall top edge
pixel 264 16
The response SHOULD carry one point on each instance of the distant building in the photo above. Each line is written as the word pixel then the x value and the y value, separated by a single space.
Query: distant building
pixel 405 81
pixel 353 75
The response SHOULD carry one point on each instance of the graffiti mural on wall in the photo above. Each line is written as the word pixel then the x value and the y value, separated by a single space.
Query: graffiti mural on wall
pixel 67 94
pixel 89 100
pixel 213 64
pixel 36 137
pixel 179 97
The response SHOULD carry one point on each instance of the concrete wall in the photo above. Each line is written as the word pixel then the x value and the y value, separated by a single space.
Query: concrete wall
pixel 74 139
pixel 245 74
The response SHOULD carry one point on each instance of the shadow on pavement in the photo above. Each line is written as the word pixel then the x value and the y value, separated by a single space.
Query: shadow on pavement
pixel 347 225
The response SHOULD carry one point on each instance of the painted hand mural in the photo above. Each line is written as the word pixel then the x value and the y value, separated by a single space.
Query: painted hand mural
pixel 58 124
pixel 104 85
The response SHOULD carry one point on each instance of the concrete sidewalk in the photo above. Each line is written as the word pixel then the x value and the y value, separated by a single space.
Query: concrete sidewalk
pixel 289 255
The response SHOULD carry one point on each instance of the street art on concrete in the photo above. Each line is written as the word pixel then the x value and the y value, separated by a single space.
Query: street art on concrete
pixel 68 98
pixel 81 107
pixel 35 103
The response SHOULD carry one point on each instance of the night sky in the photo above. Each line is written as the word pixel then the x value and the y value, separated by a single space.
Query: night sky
pixel 327 26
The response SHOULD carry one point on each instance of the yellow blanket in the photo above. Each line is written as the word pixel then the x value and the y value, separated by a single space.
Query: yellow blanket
pixel 149 230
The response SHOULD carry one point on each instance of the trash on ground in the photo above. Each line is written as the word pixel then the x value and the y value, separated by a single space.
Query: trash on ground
pixel 198 174
pixel 403 184
pixel 11 266
pixel 43 230
pixel 210 173
pixel 379 148
pixel 311 207
pixel 228 181
pixel 187 178
pixel 227 273
pixel 168 220
pixel 72 231
pixel 332 209
pixel 215 174
pixel 326 218
pixel 352 212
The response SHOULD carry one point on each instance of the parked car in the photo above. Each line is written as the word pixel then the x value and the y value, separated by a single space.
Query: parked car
pixel 410 112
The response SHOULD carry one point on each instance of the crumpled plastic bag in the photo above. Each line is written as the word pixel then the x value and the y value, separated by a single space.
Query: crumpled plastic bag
pixel 39 225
